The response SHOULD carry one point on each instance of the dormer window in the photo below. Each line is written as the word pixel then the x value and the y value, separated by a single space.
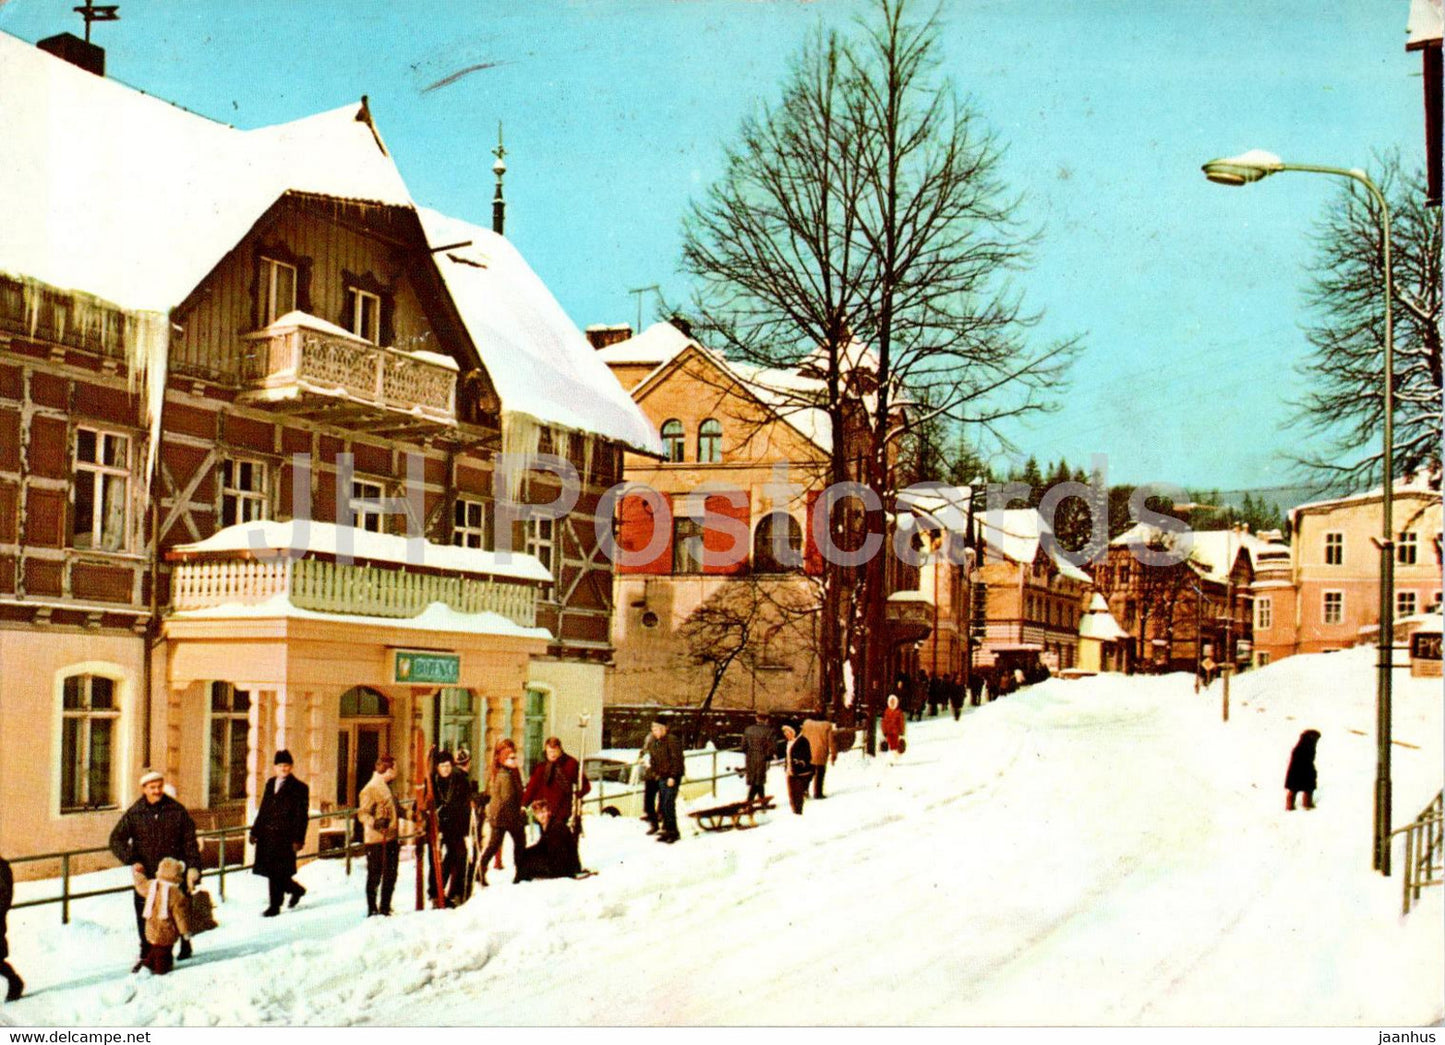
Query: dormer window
pixel 278 289
pixel 364 309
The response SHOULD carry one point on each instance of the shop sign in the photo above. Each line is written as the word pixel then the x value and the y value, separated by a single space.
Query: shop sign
pixel 426 668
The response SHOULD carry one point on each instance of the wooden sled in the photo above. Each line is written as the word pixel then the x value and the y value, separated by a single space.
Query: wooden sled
pixel 731 814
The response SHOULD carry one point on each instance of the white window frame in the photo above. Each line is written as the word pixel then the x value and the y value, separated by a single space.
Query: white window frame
pixel 271 309
pixel 1404 599
pixel 542 542
pixel 709 443
pixel 365 313
pixel 235 719
pixel 1407 548
pixel 95 473
pixel 1337 545
pixel 365 505
pixel 239 504
pixel 1339 616
pixel 470 524
pixel 85 715
pixel 1263 613
pixel 674 444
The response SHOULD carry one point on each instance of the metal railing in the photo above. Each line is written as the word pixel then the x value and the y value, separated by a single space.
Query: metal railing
pixel 599 796
pixel 1424 853
pixel 68 896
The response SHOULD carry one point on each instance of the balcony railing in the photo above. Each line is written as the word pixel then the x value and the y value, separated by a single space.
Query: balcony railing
pixel 297 362
pixel 329 587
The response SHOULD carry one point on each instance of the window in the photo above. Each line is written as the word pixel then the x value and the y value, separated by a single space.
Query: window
pixel 1334 549
pixel 459 715
pixel 534 728
pixel 469 524
pixel 1261 659
pixel 1334 607
pixel 278 290
pixel 1407 551
pixel 1263 614
pixel 364 310
pixel 366 505
pixel 777 544
pixel 686 544
pixel 364 702
pixel 673 440
pixel 243 492
pixel 709 441
pixel 89 710
pixel 1405 603
pixel 541 542
pixel 102 490
pixel 230 733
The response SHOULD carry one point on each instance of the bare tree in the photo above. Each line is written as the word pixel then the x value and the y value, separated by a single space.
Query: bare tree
pixel 1345 407
pixel 861 233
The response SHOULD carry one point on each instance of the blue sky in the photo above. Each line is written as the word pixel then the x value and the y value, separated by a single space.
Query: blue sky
pixel 1187 294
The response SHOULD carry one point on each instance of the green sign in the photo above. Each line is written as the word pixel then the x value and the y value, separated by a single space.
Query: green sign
pixel 424 668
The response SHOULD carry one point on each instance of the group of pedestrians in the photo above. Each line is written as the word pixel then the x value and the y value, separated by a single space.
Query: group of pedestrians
pixel 937 694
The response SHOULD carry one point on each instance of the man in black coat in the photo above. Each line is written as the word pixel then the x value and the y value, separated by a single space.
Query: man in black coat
pixel 669 764
pixel 452 791
pixel 154 827
pixel 14 985
pixel 279 833
pixel 758 749
pixel 555 853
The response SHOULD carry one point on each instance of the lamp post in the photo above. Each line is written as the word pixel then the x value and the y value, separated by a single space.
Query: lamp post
pixel 1253 166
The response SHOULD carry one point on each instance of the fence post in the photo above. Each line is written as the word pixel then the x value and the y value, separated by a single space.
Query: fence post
pixel 346 842
pixel 64 888
pixel 714 772
pixel 1409 865
pixel 222 887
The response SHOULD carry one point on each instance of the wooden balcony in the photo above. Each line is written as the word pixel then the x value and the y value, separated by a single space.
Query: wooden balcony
pixel 310 368
pixel 910 616
pixel 328 587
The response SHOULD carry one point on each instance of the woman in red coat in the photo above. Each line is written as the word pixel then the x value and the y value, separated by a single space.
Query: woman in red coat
pixel 893 727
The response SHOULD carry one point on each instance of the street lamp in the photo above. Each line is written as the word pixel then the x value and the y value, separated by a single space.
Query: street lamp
pixel 1253 166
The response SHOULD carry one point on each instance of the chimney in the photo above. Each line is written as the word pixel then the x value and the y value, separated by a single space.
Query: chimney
pixel 70 48
pixel 601 335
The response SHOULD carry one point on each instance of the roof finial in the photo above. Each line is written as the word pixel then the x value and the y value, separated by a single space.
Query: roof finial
pixel 499 205
pixel 91 13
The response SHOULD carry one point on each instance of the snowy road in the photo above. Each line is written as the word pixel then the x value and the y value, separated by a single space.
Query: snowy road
pixel 1102 851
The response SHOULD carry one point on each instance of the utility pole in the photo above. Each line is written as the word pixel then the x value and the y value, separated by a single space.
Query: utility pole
pixel 1228 661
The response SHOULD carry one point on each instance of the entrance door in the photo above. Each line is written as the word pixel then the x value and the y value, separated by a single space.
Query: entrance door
pixel 358 746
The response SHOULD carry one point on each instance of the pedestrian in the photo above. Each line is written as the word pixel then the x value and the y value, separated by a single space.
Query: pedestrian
pixel 167 914
pixel 14 985
pixel 955 696
pixel 798 766
pixel 893 726
pixel 279 833
pixel 649 783
pixel 554 855
pixel 555 780
pixel 1301 775
pixel 452 796
pixel 155 827
pixel 504 808
pixel 819 734
pixel 758 750
pixel 669 764
pixel 376 809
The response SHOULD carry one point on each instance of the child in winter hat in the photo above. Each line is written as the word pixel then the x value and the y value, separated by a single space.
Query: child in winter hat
pixel 167 914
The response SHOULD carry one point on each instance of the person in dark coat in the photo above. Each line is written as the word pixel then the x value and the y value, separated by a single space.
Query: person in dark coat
pixel 504 807
pixel 279 833
pixel 955 697
pixel 555 853
pixel 669 764
pixel 14 985
pixel 452 791
pixel 1301 773
pixel 758 748
pixel 155 827
pixel 554 779
pixel 798 765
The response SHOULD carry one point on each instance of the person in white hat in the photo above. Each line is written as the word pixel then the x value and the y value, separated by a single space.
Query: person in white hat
pixel 154 828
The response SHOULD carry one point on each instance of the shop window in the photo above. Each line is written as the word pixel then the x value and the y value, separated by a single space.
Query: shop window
pixel 230 736
pixel 243 492
pixel 709 441
pixel 534 729
pixel 674 440
pixel 90 711
pixel 470 527
pixel 102 490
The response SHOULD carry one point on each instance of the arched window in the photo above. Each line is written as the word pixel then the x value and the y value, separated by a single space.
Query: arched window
pixel 709 441
pixel 90 709
pixel 364 702
pixel 673 440
pixel 777 544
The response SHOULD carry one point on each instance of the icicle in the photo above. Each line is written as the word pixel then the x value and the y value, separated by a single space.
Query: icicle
pixel 521 434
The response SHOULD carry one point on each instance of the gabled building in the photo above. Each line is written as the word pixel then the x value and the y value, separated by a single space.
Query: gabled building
pixel 251 404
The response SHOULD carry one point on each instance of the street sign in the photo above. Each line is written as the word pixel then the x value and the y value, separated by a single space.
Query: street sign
pixel 426 667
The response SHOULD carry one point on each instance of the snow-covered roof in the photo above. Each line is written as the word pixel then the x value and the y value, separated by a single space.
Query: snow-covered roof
pixel 1010 533
pixel 1424 26
pixel 656 345
pixel 1212 552
pixel 122 196
pixel 436 617
pixel 320 538
pixel 541 365
pixel 1098 623
pixel 1415 483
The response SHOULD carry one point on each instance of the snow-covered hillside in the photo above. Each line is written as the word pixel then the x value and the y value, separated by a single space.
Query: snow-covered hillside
pixel 1103 851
